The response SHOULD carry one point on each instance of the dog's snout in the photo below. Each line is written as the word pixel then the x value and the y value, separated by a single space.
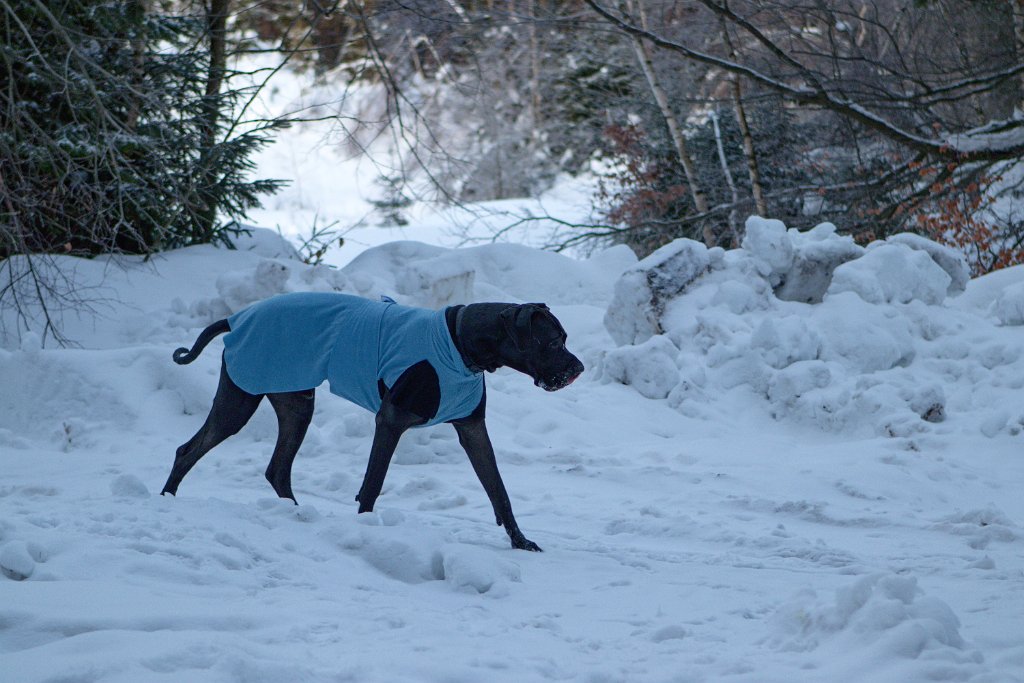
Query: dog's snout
pixel 562 378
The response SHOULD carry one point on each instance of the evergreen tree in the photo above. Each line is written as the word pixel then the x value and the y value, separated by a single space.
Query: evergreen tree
pixel 106 138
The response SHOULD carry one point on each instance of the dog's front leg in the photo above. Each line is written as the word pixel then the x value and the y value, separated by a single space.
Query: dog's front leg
pixel 391 422
pixel 473 437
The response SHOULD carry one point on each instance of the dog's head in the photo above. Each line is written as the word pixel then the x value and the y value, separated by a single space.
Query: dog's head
pixel 534 344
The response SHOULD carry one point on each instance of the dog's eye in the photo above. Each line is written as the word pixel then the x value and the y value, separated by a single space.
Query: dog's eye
pixel 554 343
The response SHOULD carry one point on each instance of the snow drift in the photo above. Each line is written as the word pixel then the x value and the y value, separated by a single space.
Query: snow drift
pixel 824 331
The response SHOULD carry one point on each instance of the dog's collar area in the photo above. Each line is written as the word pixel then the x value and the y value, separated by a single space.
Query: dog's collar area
pixel 455 328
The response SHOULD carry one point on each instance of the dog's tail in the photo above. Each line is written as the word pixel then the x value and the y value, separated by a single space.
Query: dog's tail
pixel 184 356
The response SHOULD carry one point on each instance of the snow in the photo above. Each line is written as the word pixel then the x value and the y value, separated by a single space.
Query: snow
pixel 758 490
pixel 649 367
pixel 878 618
pixel 1009 305
pixel 334 156
pixel 882 350
pixel 892 273
pixel 945 257
pixel 768 239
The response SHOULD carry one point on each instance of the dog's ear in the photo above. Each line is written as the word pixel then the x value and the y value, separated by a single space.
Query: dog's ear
pixel 518 324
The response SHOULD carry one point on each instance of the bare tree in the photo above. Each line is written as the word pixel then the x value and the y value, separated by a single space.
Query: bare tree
pixel 921 95
pixel 740 111
pixel 820 77
pixel 636 8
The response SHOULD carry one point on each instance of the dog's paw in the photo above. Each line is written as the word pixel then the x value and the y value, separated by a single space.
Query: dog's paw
pixel 521 542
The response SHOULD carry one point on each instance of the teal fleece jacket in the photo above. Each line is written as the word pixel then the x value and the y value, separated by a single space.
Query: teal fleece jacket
pixel 293 342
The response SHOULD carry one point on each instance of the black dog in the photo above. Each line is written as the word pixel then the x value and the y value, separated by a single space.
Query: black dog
pixel 526 337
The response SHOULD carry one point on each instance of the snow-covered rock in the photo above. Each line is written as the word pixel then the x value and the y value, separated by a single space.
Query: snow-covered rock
pixel 818 253
pixel 634 314
pixel 798 265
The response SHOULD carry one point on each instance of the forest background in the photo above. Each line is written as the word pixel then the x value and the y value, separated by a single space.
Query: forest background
pixel 126 127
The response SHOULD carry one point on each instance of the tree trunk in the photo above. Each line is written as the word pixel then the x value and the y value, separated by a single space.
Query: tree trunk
pixel 733 217
pixel 675 131
pixel 1017 10
pixel 753 170
pixel 534 67
pixel 217 17
pixel 138 65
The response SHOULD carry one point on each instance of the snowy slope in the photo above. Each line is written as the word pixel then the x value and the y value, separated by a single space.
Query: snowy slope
pixel 702 539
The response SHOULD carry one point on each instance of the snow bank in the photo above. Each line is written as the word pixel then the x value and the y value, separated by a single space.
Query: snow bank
pixel 871 627
pixel 128 298
pixel 431 276
pixel 824 331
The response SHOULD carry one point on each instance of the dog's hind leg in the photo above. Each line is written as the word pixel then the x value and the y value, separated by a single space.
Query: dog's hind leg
pixel 294 413
pixel 232 408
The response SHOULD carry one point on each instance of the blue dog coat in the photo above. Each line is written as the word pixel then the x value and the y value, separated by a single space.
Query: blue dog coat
pixel 293 342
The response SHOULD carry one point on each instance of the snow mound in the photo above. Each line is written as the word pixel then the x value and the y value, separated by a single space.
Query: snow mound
pixel 1009 306
pixel 410 554
pixel 266 243
pixel 129 298
pixel 650 367
pixel 892 273
pixel 822 330
pixel 128 486
pixel 425 275
pixel 16 561
pixel 885 619
pixel 945 257
pixel 475 570
pixel 420 275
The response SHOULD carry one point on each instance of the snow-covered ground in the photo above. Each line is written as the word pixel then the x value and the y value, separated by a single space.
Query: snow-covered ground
pixel 753 489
